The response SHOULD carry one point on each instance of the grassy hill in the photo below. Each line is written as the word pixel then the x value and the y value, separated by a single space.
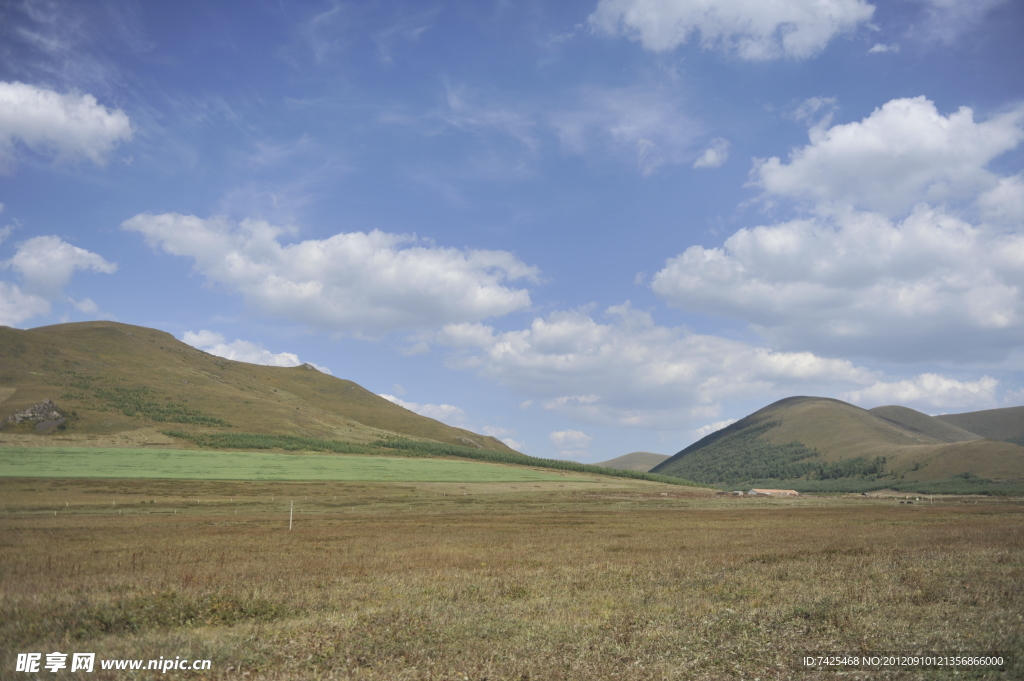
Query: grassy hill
pixel 113 380
pixel 109 378
pixel 915 421
pixel 827 444
pixel 634 461
pixel 998 424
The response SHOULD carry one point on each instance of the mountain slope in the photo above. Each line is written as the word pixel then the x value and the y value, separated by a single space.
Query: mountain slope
pixel 931 426
pixel 116 377
pixel 634 461
pixel 813 438
pixel 999 424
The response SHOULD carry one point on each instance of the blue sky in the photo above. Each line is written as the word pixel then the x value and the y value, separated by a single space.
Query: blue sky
pixel 587 228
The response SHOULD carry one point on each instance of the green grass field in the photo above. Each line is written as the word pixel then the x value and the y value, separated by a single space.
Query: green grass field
pixel 83 462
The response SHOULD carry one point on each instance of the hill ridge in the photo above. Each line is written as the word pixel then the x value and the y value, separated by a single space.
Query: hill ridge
pixel 823 439
pixel 116 377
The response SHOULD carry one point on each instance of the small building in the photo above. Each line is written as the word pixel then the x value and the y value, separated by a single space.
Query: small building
pixel 773 493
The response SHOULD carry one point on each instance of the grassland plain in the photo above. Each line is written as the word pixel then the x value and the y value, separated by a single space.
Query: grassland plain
pixel 87 462
pixel 616 579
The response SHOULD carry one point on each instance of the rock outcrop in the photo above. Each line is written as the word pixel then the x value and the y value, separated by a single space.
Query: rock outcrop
pixel 46 415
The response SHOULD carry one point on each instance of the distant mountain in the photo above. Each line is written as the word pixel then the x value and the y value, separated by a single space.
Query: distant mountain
pixel 635 461
pixel 998 424
pixel 110 378
pixel 819 439
pixel 924 424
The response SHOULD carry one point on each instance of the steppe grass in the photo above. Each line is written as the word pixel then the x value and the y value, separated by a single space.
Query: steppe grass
pixel 439 581
pixel 413 448
pixel 94 462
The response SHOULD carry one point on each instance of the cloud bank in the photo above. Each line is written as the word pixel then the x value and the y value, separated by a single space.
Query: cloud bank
pixel 355 283
pixel 629 371
pixel 914 249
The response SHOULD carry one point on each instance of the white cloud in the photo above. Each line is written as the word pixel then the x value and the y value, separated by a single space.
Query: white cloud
pixel 67 126
pixel 632 372
pixel 1004 203
pixel 881 282
pixel 709 428
pixel 243 351
pixel 903 153
pixel 931 286
pixel 571 443
pixel 715 155
pixel 16 306
pixel 929 391
pixel 514 444
pixel 445 413
pixel 505 435
pixel 752 29
pixel 357 283
pixel 879 48
pixel 85 305
pixel 46 265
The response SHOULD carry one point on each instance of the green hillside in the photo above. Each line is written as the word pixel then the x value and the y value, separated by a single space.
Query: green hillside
pixel 998 424
pixel 634 461
pixel 122 386
pixel 111 378
pixel 931 426
pixel 825 444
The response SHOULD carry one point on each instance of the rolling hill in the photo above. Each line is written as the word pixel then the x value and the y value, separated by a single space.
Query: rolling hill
pixel 634 461
pixel 998 424
pixel 819 441
pixel 111 378
pixel 111 385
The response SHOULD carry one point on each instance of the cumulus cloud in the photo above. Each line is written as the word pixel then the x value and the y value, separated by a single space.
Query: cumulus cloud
pixel 715 155
pixel 16 306
pixel 67 126
pixel 929 391
pixel 570 443
pixel 357 283
pixel 631 372
pixel 888 266
pixel 445 413
pixel 709 428
pixel 1004 203
pixel 46 265
pixel 751 29
pixel 505 435
pixel 903 153
pixel 929 287
pixel 243 351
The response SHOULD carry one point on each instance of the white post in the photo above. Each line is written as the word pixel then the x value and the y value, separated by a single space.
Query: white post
pixel 290 512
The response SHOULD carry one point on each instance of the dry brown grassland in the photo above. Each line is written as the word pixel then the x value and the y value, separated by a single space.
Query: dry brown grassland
pixel 436 581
